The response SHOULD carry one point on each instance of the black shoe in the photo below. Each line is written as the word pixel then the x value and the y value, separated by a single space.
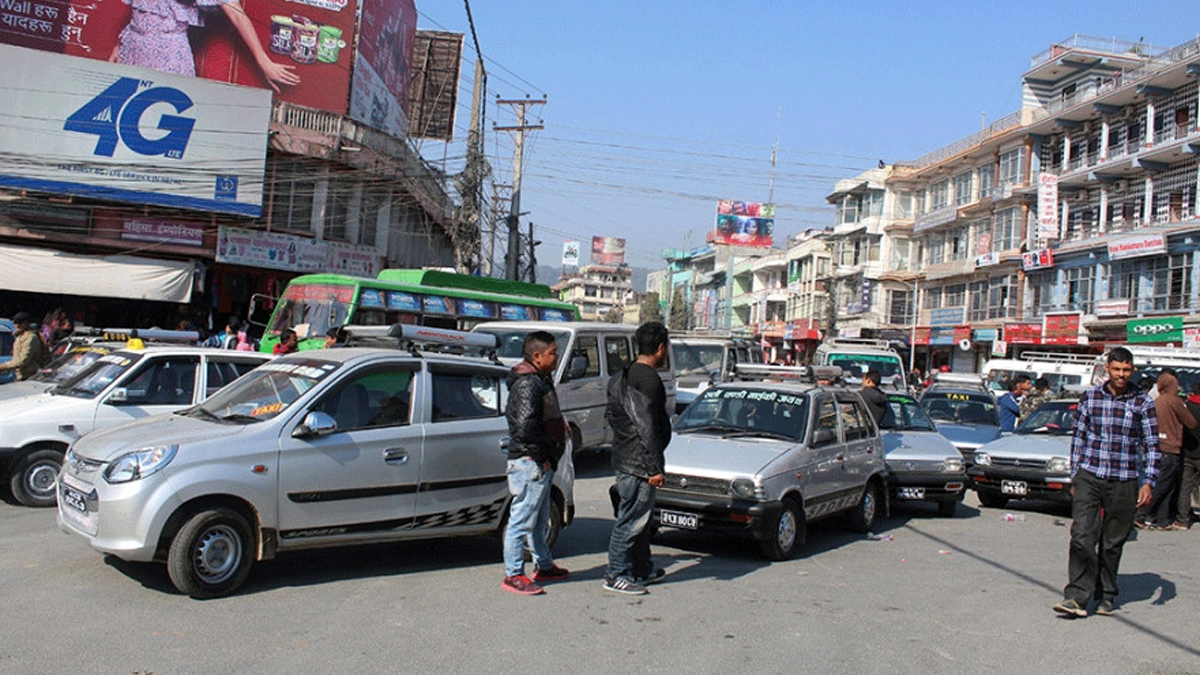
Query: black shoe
pixel 1105 608
pixel 655 576
pixel 1068 607
pixel 625 586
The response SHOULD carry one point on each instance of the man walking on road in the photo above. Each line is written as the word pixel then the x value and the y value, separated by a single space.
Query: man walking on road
pixel 875 399
pixel 637 411
pixel 1114 448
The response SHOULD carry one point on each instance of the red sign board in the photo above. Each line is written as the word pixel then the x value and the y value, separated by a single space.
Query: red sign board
pixel 1023 333
pixel 921 336
pixel 962 333
pixel 1061 329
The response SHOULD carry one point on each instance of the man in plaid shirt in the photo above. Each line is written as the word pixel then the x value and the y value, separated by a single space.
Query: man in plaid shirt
pixel 1114 464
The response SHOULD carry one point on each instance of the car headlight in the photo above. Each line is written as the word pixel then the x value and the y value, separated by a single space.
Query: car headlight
pixel 1058 465
pixel 139 463
pixel 983 458
pixel 952 465
pixel 743 488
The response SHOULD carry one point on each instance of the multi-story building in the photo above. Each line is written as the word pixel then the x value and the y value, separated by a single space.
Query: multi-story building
pixel 598 290
pixel 808 271
pixel 699 286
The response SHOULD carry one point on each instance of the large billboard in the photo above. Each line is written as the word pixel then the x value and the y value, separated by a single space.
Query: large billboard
pixel 299 48
pixel 379 93
pixel 107 131
pixel 608 251
pixel 745 223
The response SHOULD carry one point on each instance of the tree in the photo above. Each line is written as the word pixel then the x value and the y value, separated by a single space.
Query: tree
pixel 650 310
pixel 679 311
pixel 614 315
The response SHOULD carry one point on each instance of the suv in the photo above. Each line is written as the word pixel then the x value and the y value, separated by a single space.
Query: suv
pixel 1034 462
pixel 765 459
pixel 856 356
pixel 119 386
pixel 703 360
pixel 964 411
pixel 334 447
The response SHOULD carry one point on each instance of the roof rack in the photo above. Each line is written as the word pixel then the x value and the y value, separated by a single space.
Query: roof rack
pixel 155 334
pixel 811 374
pixel 419 339
pixel 857 342
pixel 1058 357
pixel 962 378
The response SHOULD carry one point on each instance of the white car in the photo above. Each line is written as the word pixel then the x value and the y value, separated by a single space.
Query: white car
pixel 120 386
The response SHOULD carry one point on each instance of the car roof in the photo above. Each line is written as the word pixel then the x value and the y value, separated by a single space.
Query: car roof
pixel 956 388
pixel 559 325
pixel 356 354
pixel 158 349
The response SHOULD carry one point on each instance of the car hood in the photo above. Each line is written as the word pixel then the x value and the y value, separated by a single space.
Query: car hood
pixel 702 454
pixel 915 445
pixel 968 434
pixel 1029 446
pixel 36 404
pixel 164 429
pixel 24 388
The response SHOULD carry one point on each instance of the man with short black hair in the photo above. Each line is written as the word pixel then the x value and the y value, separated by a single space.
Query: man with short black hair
pixel 1010 403
pixel 1114 448
pixel 1037 396
pixel 875 399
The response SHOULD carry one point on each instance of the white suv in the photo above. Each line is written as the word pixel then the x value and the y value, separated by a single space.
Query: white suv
pixel 321 448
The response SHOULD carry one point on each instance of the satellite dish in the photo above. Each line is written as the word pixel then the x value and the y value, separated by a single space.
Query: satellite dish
pixel 964 344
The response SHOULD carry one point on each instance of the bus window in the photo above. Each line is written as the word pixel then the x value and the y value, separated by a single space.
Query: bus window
pixel 318 307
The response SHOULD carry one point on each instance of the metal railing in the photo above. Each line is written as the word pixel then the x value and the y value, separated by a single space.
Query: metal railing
pixel 1098 44
pixel 996 128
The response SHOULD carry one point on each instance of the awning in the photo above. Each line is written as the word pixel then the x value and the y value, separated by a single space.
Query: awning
pixel 39 270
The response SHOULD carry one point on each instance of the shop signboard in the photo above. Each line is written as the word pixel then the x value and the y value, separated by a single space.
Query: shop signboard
pixel 1112 307
pixel 1061 329
pixel 1159 329
pixel 947 316
pixel 176 232
pixel 987 259
pixel 1023 333
pixel 1133 247
pixel 106 131
pixel 921 335
pixel 272 250
pixel 1048 222
pixel 1036 260
pixel 941 335
pixel 1191 338
pixel 986 335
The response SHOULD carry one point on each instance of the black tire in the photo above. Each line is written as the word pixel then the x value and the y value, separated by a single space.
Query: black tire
pixel 864 514
pixel 788 533
pixel 211 554
pixel 947 508
pixel 992 499
pixel 35 478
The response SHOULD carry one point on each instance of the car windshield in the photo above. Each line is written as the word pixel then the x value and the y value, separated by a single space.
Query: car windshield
pixel 70 364
pixel 856 365
pixel 96 377
pixel 265 392
pixel 738 411
pixel 512 340
pixel 1052 417
pixel 696 359
pixel 905 414
pixel 961 408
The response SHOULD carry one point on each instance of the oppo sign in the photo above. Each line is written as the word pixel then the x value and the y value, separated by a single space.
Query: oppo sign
pixel 1166 329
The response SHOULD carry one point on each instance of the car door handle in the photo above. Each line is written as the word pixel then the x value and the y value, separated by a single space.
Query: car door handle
pixel 504 444
pixel 395 456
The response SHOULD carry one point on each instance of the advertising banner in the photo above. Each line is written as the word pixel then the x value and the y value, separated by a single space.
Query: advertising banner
pixel 987 259
pixel 1036 260
pixel 745 223
pixel 1061 329
pixel 1048 224
pixel 163 231
pixel 608 251
pixel 1132 247
pixel 947 316
pixel 570 257
pixel 271 250
pixel 379 92
pixel 299 48
pixel 1162 329
pixel 95 129
pixel 1023 333
pixel 1112 307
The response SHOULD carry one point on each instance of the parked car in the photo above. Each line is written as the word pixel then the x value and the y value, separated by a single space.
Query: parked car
pixel 702 360
pixel 119 386
pixel 922 465
pixel 60 370
pixel 335 447
pixel 964 412
pixel 1060 371
pixel 764 459
pixel 1034 462
pixel 6 348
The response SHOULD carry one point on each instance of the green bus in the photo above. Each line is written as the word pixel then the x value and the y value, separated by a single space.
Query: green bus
pixel 314 303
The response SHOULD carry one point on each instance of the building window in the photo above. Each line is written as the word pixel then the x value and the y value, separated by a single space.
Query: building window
pixel 1042 286
pixel 940 195
pixel 872 204
pixel 1007 233
pixel 933 298
pixel 937 248
pixel 904 205
pixel 337 207
pixel 955 295
pixel 847 210
pixel 292 190
pixel 919 202
pixel 987 177
pixel 1011 167
pixel 956 241
pixel 977 309
pixel 962 189
pixel 900 311
pixel 368 228
pixel 1003 302
pixel 1170 282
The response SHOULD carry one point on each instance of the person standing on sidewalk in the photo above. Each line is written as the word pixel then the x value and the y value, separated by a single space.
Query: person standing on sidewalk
pixel 537 438
pixel 1173 418
pixel 637 412
pixel 1114 449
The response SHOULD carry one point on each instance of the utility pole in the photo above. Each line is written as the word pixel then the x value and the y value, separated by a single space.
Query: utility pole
pixel 521 106
pixel 468 229
pixel 532 256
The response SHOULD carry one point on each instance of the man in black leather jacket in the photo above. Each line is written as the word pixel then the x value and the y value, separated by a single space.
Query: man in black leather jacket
pixel 537 438
pixel 637 411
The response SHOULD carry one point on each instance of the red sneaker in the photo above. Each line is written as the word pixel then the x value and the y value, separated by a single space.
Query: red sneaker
pixel 521 585
pixel 555 573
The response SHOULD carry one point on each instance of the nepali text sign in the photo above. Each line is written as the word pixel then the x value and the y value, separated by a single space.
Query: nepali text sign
pixel 1161 329
pixel 257 248
pixel 1132 247
pixel 163 231
pixel 1023 333
pixel 947 316
pixel 1061 329
pixel 1047 206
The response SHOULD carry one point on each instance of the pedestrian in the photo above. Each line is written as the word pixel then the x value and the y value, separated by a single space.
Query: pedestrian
pixel 1189 465
pixel 288 342
pixel 537 438
pixel 1039 394
pixel 641 424
pixel 1114 466
pixel 876 400
pixel 1010 403
pixel 335 337
pixel 1173 418
pixel 226 339
pixel 29 352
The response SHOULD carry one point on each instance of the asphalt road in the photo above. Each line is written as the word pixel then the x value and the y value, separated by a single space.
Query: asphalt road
pixel 970 594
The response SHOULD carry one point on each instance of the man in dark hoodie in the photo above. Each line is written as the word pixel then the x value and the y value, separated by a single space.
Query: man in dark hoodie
pixel 537 438
pixel 1189 464
pixel 1173 417
pixel 637 411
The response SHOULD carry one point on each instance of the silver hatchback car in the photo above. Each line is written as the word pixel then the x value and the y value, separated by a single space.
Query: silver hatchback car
pixel 315 449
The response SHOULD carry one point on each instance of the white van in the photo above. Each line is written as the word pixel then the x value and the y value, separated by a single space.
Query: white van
pixel 702 360
pixel 1062 371
pixel 856 356
pixel 588 354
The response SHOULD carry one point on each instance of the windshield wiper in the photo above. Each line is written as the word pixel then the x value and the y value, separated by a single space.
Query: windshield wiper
pixel 721 428
pixel 198 411
pixel 239 417
pixel 759 432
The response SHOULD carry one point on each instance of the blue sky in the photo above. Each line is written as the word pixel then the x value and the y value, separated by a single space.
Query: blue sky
pixel 656 109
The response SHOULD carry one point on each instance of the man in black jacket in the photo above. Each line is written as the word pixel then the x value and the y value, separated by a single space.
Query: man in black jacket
pixel 876 400
pixel 1189 465
pixel 537 438
pixel 637 412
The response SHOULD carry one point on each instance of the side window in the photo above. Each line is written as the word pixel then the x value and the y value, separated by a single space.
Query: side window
pixel 852 421
pixel 459 395
pixel 379 397
pixel 588 347
pixel 163 382
pixel 825 431
pixel 221 373
pixel 616 353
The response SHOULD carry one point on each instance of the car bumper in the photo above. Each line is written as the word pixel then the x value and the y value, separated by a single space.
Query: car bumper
pixel 1039 484
pixel 722 515
pixel 116 519
pixel 933 486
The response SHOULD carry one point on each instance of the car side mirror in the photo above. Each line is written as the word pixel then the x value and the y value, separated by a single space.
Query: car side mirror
pixel 316 423
pixel 578 367
pixel 119 396
pixel 824 437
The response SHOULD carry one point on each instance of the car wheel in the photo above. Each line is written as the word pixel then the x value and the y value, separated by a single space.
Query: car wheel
pixel 210 556
pixel 788 533
pixel 35 478
pixel 947 508
pixel 862 517
pixel 992 499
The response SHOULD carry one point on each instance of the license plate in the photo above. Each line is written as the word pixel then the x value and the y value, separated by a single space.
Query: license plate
pixel 912 493
pixel 74 499
pixel 1014 487
pixel 686 521
pixel 73 507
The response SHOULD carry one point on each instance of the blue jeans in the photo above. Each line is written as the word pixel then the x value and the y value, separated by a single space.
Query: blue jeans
pixel 528 516
pixel 629 545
